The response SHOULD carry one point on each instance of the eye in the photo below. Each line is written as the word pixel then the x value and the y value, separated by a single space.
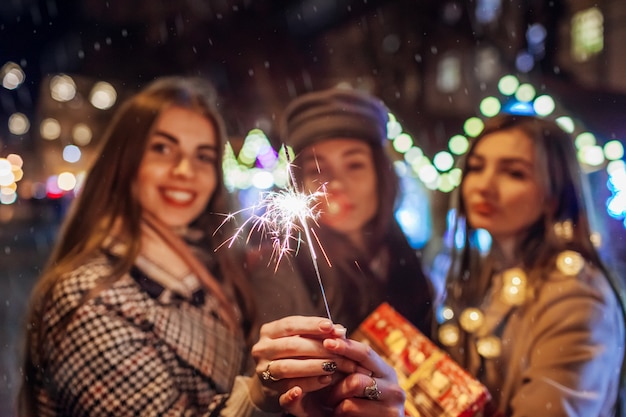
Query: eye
pixel 160 147
pixel 311 170
pixel 473 166
pixel 207 157
pixel 517 174
pixel 356 165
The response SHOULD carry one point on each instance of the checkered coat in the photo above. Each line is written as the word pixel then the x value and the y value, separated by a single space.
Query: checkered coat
pixel 135 349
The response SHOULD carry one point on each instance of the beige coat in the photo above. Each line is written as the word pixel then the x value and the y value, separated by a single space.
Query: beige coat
pixel 561 351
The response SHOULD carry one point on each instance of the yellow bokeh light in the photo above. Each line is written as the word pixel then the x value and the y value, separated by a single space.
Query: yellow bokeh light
pixel 81 134
pixel 458 144
pixel 566 123
pixel 490 106
pixel 584 139
pixel 50 129
pixel 525 93
pixel 103 95
pixel 18 124
pixel 402 143
pixel 473 126
pixel 613 150
pixel 508 85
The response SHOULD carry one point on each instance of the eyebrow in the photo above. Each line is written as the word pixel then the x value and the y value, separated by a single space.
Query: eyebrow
pixel 175 140
pixel 313 156
pixel 509 160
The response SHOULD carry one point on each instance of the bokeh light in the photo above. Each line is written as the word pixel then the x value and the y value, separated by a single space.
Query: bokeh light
pixel 103 95
pixel 12 75
pixel 81 134
pixel 50 129
pixel 458 144
pixel 62 88
pixel 508 85
pixel 473 126
pixel 18 124
pixel 402 143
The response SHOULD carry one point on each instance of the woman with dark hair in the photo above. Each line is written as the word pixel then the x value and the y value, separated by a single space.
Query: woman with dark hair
pixel 135 314
pixel 539 319
pixel 338 136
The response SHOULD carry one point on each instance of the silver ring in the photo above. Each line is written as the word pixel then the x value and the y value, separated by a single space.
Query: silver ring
pixel 267 375
pixel 371 392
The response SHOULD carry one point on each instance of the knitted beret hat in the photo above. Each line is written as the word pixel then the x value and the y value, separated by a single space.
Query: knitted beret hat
pixel 334 113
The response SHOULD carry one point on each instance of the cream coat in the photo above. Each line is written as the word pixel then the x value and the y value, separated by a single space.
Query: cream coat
pixel 561 351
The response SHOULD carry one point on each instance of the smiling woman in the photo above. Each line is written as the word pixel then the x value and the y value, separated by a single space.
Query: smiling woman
pixel 136 315
pixel 177 174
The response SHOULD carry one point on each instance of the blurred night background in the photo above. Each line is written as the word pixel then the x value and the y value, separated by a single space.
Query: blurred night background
pixel 441 66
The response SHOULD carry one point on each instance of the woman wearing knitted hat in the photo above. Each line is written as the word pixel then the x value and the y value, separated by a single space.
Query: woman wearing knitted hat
pixel 338 138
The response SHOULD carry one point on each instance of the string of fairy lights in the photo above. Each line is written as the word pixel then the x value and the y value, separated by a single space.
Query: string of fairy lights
pixel 258 166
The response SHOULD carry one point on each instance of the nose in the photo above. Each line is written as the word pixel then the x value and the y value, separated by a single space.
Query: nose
pixel 486 182
pixel 334 184
pixel 183 168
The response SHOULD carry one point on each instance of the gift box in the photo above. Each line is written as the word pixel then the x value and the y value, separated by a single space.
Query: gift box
pixel 435 384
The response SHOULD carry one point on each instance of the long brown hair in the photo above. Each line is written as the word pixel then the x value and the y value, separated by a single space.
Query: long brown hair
pixel 107 201
pixel 565 191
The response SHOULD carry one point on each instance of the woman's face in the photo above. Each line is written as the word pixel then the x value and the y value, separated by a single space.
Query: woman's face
pixel 501 189
pixel 177 174
pixel 346 167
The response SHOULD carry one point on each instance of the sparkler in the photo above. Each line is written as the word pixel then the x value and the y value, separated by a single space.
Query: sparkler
pixel 285 217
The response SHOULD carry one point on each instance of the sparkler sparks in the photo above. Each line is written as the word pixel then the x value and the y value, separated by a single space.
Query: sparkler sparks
pixel 285 218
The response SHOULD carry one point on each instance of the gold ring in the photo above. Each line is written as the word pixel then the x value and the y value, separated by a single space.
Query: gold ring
pixel 267 375
pixel 371 392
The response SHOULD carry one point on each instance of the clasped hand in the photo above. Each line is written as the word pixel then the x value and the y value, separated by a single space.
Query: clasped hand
pixel 307 367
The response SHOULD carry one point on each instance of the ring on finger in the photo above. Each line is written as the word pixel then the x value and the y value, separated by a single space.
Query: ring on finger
pixel 267 374
pixel 329 366
pixel 371 392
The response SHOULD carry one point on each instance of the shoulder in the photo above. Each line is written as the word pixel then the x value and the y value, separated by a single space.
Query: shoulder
pixel 572 275
pixel 574 290
pixel 71 288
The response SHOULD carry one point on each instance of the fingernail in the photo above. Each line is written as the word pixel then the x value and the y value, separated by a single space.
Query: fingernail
pixel 326 325
pixel 329 366
pixel 330 343
pixel 295 393
pixel 340 330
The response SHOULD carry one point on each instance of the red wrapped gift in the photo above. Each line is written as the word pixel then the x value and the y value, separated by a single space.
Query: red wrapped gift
pixel 435 385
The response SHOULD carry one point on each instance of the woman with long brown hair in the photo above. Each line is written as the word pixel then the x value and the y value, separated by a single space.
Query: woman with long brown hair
pixel 136 314
pixel 539 319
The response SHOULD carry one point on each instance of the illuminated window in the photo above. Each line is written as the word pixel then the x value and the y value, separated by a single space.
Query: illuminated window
pixel 587 34
pixel 449 74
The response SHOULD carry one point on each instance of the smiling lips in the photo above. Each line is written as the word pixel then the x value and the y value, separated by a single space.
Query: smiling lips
pixel 178 197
